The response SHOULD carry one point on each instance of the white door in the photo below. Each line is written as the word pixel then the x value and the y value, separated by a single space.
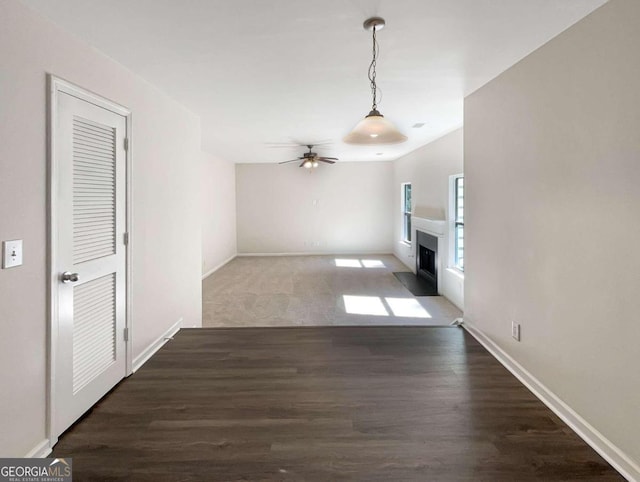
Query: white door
pixel 88 223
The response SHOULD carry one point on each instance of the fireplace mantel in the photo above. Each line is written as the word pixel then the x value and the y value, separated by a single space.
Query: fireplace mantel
pixel 434 227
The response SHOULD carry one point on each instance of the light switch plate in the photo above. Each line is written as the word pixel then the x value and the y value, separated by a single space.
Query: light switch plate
pixel 515 330
pixel 11 253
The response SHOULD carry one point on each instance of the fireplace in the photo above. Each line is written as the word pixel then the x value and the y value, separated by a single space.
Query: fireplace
pixel 427 258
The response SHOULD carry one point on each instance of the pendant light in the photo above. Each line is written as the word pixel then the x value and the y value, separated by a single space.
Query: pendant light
pixel 374 128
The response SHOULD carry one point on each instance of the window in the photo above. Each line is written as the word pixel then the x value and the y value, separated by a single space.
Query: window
pixel 457 217
pixel 406 212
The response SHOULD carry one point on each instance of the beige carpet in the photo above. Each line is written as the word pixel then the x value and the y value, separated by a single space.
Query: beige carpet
pixel 317 291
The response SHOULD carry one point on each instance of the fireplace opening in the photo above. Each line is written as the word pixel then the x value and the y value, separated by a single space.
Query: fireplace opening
pixel 425 281
pixel 427 259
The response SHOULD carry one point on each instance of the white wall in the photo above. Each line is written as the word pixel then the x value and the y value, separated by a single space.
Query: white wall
pixel 218 187
pixel 428 170
pixel 352 211
pixel 166 236
pixel 552 168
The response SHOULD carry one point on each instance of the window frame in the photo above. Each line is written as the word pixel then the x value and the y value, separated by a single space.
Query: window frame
pixel 406 233
pixel 455 223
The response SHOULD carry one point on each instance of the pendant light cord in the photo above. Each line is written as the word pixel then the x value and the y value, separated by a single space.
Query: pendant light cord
pixel 374 129
pixel 372 71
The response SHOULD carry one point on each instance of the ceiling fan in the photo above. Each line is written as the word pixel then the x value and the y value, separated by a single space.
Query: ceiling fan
pixel 311 159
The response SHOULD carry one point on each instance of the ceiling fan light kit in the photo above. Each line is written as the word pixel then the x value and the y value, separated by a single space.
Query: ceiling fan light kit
pixel 374 128
pixel 310 164
pixel 311 160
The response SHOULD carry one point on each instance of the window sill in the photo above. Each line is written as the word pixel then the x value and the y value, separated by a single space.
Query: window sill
pixel 405 243
pixel 456 272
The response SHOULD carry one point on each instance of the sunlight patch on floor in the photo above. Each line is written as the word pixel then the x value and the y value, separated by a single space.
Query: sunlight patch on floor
pixel 359 263
pixel 377 306
pixel 373 263
pixel 364 305
pixel 348 263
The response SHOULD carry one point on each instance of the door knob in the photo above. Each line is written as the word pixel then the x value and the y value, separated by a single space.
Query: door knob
pixel 68 277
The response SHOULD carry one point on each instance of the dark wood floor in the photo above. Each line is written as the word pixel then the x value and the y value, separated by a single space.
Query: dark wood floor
pixel 339 403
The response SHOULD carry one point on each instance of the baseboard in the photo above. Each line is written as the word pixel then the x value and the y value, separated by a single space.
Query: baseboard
pixel 156 345
pixel 611 453
pixel 401 258
pixel 319 253
pixel 40 451
pixel 213 270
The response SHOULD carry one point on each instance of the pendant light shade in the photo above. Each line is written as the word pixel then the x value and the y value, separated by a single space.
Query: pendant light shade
pixel 374 129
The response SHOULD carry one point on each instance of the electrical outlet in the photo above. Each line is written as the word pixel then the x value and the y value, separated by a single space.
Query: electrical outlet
pixel 515 330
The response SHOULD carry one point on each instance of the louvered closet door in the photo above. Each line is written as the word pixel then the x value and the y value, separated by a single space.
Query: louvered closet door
pixel 91 210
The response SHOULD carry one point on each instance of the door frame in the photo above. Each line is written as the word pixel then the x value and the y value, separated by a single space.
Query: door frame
pixel 57 86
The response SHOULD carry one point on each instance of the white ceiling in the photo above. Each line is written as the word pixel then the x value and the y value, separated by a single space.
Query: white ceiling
pixel 285 71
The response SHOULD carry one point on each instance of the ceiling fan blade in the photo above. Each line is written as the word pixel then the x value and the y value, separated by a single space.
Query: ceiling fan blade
pixel 292 160
pixel 303 162
pixel 293 144
pixel 319 142
pixel 325 160
pixel 329 158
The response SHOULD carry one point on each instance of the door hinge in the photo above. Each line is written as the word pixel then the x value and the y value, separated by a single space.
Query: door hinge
pixel 125 239
pixel 126 143
pixel 126 334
